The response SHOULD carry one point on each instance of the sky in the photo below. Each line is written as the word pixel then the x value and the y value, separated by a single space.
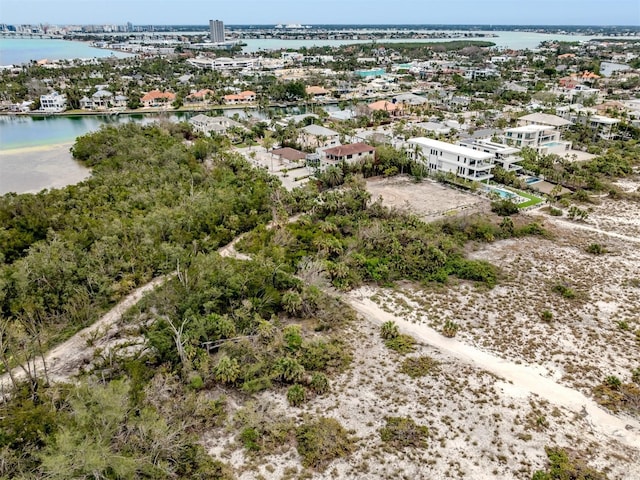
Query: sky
pixel 260 12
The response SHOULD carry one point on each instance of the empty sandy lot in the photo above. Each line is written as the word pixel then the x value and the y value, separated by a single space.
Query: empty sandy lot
pixel 428 199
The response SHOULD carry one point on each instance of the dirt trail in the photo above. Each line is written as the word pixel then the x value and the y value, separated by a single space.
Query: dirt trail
pixel 578 226
pixel 67 358
pixel 524 378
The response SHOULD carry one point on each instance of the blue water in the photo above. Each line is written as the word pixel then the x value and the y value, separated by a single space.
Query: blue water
pixel 15 51
pixel 503 193
pixel 532 180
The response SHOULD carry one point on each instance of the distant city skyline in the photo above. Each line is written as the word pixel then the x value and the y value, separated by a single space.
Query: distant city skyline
pixel 259 12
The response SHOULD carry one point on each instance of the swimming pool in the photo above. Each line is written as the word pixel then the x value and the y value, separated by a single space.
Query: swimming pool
pixel 532 180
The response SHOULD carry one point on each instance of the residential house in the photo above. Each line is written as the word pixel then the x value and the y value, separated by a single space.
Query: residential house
pixel 348 153
pixel 315 91
pixel 504 156
pixel 544 119
pixel 604 126
pixel 53 102
pixel 219 125
pixel 289 154
pixel 410 99
pixel 317 136
pixel 201 97
pixel 156 98
pixel 543 139
pixel 443 157
pixel 238 98
pixel 101 100
pixel 393 109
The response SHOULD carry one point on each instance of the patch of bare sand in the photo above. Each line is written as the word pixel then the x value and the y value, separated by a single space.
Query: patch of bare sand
pixel 480 427
pixel 428 199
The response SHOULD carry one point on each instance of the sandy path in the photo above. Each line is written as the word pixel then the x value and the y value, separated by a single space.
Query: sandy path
pixel 578 226
pixel 67 358
pixel 524 378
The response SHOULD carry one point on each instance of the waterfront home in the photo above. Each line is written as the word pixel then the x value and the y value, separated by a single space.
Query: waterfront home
pixel 316 91
pixel 156 98
pixel 409 99
pixel 543 139
pixel 604 126
pixel 53 102
pixel 443 157
pixel 200 97
pixel 238 98
pixel 393 109
pixel 101 100
pixel 208 125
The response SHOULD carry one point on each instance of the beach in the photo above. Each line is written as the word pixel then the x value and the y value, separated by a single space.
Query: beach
pixel 50 166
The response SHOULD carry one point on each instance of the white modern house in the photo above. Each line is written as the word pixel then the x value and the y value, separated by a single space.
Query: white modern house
pixel 53 102
pixel 503 155
pixel 541 138
pixel 445 157
pixel 604 126
pixel 206 124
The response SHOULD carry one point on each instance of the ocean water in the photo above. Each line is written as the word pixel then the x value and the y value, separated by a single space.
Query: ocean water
pixel 14 51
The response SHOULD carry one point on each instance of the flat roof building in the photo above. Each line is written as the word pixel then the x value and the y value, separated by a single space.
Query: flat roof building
pixel 216 31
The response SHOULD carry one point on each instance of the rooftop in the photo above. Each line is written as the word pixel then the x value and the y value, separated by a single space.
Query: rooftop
pixel 546 118
pixel 319 131
pixel 449 147
pixel 351 149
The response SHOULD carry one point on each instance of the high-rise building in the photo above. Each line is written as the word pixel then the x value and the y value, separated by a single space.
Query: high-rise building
pixel 216 31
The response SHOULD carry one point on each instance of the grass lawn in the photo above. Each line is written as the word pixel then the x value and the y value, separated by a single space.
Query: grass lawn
pixel 531 199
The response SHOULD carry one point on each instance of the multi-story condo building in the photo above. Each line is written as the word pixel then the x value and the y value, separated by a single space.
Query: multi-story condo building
pixel 53 102
pixel 445 157
pixel 541 138
pixel 503 155
pixel 216 31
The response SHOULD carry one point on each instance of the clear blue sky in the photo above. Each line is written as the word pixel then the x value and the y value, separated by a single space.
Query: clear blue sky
pixel 198 12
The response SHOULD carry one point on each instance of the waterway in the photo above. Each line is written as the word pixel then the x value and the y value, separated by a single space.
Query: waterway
pixel 16 51
pixel 34 151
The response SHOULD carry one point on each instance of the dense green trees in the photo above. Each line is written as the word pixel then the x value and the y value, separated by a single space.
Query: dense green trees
pixel 149 205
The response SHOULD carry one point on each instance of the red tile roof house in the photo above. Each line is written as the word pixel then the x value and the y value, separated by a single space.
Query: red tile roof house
pixel 156 98
pixel 201 96
pixel 243 97
pixel 348 153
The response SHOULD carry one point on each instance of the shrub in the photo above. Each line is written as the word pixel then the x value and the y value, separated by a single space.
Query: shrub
pixel 596 249
pixel 227 370
pixel 319 383
pixel 546 315
pixel 296 395
pixel 249 438
pixel 635 376
pixel 403 432
pixel 321 441
pixel 389 330
pixel 504 208
pixel 402 344
pixel 196 382
pixel 555 212
pixel 564 290
pixel 563 467
pixel 419 366
pixel 292 337
pixel 613 382
pixel 450 328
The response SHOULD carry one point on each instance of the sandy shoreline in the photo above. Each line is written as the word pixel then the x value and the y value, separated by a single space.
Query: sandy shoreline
pixel 36 148
pixel 32 169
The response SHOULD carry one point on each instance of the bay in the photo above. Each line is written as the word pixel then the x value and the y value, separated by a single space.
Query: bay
pixel 16 51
